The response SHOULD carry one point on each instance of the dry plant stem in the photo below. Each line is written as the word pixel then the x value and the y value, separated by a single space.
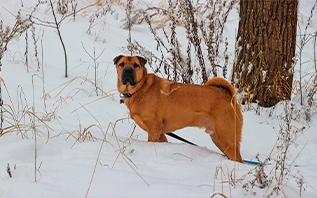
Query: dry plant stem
pixel 87 128
pixel 76 11
pixel 191 159
pixel 43 77
pixel 1 103
pixel 280 153
pixel 60 38
pixel 47 23
pixel 97 160
pixel 173 42
pixel 128 13
pixel 35 47
pixel 203 23
pixel 83 135
pixel 304 39
pixel 218 194
pixel 13 114
pixel 110 125
pixel 96 64
pixel 6 35
pixel 315 59
pixel 33 127
pixel 82 106
pixel 68 83
pixel 192 30
pixel 26 53
pixel 219 168
pixel 313 90
pixel 124 156
pixel 9 171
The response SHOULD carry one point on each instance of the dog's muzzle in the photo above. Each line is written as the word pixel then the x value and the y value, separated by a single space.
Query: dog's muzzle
pixel 128 76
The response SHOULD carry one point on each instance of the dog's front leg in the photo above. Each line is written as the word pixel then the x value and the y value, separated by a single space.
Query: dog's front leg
pixel 155 133
pixel 152 126
pixel 161 138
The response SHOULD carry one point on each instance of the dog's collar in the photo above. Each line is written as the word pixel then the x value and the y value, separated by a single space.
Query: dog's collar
pixel 125 95
pixel 128 95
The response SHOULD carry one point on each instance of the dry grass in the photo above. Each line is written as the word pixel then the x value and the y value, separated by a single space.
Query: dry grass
pixel 121 151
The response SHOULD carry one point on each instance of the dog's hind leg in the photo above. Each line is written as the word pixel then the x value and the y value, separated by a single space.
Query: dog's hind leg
pixel 211 131
pixel 227 138
pixel 216 141
pixel 214 138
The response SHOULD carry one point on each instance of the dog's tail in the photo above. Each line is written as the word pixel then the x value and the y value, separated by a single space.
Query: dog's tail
pixel 222 83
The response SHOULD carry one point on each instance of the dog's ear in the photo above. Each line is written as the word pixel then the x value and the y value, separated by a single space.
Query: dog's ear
pixel 142 60
pixel 116 59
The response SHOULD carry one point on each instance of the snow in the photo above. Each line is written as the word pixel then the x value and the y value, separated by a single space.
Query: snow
pixel 85 143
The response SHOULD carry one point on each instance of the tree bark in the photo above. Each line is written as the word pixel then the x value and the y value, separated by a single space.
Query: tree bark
pixel 265 50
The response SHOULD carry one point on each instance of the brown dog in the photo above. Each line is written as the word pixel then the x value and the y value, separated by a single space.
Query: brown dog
pixel 160 106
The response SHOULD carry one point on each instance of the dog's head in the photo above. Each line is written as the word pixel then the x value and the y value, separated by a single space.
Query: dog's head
pixel 130 71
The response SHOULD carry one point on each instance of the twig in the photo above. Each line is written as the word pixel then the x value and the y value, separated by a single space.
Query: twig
pixel 128 13
pixel 75 12
pixel 35 47
pixel 60 38
pixel 33 127
pixel 98 157
pixel 220 194
pixel 97 160
pixel 26 54
pixel 9 171
pixel 124 156
pixel 191 159
pixel 96 64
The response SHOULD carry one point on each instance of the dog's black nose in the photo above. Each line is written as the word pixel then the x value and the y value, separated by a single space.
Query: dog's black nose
pixel 128 71
pixel 128 76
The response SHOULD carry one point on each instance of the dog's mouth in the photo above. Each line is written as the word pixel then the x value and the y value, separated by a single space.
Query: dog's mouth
pixel 128 76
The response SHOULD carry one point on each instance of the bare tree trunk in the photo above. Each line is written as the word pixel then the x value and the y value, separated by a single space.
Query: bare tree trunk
pixel 266 42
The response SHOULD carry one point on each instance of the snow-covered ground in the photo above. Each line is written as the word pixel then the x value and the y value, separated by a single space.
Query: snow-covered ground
pixel 85 143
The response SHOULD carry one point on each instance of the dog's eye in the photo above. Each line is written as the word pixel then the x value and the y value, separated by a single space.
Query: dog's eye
pixel 136 65
pixel 121 64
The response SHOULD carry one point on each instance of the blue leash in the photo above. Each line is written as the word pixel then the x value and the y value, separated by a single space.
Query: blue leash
pixel 247 161
pixel 251 162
